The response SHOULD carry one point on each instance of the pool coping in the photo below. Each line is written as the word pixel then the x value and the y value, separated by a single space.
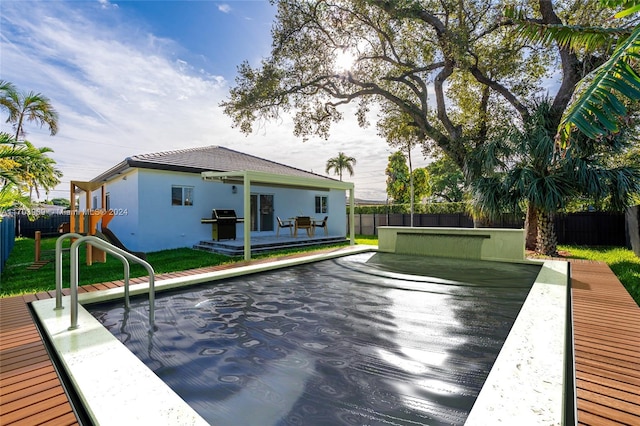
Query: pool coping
pixel 95 360
pixel 526 384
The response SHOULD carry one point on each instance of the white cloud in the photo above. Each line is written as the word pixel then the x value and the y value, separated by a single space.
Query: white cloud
pixel 120 92
pixel 224 8
pixel 106 4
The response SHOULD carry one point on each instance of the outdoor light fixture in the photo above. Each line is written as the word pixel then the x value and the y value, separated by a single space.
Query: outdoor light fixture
pixel 234 189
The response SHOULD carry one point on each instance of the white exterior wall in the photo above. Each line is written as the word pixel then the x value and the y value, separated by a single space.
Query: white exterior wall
pixel 123 198
pixel 146 221
pixel 289 202
pixel 163 226
pixel 124 201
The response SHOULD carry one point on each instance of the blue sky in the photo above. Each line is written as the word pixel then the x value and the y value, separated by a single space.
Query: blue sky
pixel 133 77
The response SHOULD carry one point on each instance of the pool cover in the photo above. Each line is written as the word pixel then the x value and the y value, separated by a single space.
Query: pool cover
pixel 366 339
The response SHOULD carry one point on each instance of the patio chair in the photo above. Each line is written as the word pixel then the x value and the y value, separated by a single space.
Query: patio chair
pixel 321 224
pixel 284 224
pixel 303 222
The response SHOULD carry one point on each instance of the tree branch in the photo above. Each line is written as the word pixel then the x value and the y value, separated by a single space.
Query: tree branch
pixel 510 97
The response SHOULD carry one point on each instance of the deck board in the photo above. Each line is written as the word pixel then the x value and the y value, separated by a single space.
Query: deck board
pixel 607 342
pixel 606 321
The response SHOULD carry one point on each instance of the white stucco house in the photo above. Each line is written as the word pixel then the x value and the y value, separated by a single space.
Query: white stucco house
pixel 160 198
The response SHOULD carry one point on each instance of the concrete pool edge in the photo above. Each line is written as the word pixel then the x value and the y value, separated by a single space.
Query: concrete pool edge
pixel 115 387
pixel 85 352
pixel 526 383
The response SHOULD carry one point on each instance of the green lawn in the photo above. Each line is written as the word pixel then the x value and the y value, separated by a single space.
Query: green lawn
pixel 17 279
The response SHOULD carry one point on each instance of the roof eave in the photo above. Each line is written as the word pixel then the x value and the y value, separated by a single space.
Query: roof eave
pixel 277 179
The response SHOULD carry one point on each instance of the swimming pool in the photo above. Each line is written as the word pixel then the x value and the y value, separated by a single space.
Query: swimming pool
pixel 364 339
pixel 526 378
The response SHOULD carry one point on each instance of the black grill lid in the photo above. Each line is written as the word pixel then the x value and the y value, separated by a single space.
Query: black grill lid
pixel 223 214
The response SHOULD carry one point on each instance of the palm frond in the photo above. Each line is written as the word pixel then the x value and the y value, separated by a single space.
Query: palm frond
pixel 549 193
pixel 629 11
pixel 600 104
pixel 575 37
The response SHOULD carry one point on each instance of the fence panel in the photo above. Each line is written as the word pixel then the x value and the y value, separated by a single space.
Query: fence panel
pixel 7 238
pixel 589 228
pixel 428 220
pixel 47 225
pixel 368 224
pixel 396 219
pixel 633 228
pixel 453 220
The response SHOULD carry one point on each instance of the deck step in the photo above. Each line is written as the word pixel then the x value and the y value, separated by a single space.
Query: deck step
pixel 235 248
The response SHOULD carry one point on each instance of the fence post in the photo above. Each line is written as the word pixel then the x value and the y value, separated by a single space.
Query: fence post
pixel 374 224
pixel 37 242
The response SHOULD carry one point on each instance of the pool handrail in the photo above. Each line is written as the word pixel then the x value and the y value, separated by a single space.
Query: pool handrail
pixel 124 256
pixel 58 261
pixel 59 242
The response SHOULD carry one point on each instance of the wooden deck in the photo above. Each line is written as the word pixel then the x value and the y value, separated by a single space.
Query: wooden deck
pixel 607 347
pixel 607 352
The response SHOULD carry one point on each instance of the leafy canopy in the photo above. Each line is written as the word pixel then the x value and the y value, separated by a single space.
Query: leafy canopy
pixel 453 69
pixel 523 167
pixel 399 180
pixel 606 96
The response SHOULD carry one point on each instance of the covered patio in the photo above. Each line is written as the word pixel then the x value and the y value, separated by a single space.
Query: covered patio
pixel 268 243
pixel 246 178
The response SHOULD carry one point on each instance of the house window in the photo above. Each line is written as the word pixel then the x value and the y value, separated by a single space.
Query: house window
pixel 107 201
pixel 94 203
pixel 321 204
pixel 181 195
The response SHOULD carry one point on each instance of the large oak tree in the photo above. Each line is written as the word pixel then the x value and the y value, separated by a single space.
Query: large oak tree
pixel 454 68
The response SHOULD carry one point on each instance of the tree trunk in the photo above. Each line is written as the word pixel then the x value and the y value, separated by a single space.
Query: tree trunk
pixel 410 181
pixel 547 241
pixel 531 228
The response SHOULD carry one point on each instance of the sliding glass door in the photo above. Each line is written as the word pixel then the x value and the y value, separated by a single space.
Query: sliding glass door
pixel 262 212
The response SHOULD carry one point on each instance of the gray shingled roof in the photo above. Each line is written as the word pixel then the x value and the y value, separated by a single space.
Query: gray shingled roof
pixel 204 159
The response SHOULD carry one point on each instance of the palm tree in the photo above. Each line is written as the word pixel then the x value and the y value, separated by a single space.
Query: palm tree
pixel 399 130
pixel 524 169
pixel 12 153
pixel 5 88
pixel 23 166
pixel 38 171
pixel 30 107
pixel 604 94
pixel 11 198
pixel 340 163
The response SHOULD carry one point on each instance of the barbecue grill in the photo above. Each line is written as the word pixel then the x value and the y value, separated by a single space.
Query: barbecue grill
pixel 223 224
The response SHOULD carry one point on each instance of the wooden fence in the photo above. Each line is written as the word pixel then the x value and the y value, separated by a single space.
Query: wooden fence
pixel 47 225
pixel 590 228
pixel 633 228
pixel 367 224
pixel 7 238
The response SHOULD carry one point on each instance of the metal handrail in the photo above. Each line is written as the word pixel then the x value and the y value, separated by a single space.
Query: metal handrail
pixel 59 242
pixel 123 255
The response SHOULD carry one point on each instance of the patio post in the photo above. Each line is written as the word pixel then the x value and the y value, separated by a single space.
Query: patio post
pixel 247 220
